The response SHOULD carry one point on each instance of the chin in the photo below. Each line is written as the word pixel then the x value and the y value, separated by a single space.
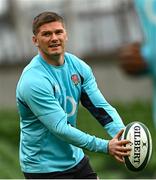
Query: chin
pixel 56 54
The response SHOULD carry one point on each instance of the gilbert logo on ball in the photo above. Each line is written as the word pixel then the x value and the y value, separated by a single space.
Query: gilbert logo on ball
pixel 141 144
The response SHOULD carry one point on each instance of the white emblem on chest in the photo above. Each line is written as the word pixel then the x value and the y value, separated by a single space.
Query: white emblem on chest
pixel 73 105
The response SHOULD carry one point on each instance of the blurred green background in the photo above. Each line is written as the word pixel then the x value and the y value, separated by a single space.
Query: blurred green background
pixel 104 165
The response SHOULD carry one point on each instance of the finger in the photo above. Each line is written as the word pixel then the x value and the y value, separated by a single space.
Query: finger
pixel 118 135
pixel 127 153
pixel 122 154
pixel 124 142
pixel 119 158
pixel 124 149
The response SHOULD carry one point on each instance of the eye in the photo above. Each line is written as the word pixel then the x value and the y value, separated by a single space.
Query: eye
pixel 59 31
pixel 47 34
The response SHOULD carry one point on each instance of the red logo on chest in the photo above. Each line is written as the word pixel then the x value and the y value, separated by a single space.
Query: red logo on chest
pixel 75 79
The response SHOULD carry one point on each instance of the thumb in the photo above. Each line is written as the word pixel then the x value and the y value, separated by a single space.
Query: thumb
pixel 118 135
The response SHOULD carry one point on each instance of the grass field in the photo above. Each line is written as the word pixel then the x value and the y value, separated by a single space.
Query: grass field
pixel 104 165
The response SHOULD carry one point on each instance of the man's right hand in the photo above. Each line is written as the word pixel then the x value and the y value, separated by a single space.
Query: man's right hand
pixel 117 147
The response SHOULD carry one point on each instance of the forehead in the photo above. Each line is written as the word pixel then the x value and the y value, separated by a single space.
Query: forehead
pixel 52 26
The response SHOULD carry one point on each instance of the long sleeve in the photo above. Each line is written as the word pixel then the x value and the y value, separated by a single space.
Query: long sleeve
pixel 94 101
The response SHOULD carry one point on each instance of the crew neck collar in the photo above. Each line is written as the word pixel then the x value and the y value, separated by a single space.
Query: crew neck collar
pixel 50 65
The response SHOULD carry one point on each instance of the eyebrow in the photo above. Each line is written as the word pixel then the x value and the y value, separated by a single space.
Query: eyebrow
pixel 61 30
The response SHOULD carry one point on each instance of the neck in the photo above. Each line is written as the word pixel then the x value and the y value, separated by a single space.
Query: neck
pixel 56 60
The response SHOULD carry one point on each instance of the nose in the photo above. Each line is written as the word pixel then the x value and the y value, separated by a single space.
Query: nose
pixel 54 37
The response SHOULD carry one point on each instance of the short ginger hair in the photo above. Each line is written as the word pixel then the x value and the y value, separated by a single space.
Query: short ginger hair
pixel 43 18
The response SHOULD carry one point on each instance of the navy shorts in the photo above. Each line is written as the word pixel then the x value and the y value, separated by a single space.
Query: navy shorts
pixel 82 170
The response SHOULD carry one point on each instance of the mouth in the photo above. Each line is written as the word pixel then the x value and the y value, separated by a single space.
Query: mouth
pixel 54 45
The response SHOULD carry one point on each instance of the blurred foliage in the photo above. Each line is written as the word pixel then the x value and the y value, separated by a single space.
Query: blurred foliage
pixel 104 165
pixel 9 140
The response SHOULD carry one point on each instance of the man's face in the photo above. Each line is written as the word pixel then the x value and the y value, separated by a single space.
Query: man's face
pixel 51 39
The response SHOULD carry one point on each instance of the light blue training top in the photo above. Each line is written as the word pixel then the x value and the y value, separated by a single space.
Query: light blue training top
pixel 146 10
pixel 48 99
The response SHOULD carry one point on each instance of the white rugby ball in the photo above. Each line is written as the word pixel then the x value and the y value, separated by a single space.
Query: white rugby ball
pixel 141 144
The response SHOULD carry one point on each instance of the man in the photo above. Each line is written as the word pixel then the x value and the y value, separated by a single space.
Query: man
pixel 140 58
pixel 48 95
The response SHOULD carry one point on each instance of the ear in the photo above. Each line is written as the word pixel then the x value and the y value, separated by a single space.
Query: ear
pixel 35 41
